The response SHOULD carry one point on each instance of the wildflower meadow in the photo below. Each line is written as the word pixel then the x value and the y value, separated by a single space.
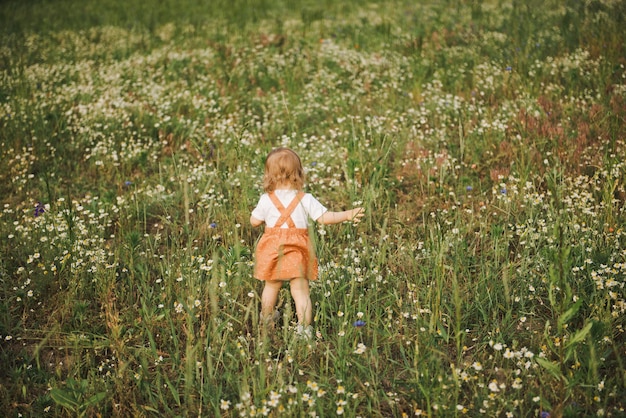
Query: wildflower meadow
pixel 486 140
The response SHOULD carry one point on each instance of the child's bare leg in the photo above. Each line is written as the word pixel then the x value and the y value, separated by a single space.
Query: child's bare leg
pixel 302 298
pixel 269 297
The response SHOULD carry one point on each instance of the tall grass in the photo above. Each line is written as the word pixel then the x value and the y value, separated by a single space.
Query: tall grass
pixel 484 139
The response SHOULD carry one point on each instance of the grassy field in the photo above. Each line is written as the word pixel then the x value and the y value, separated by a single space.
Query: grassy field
pixel 485 138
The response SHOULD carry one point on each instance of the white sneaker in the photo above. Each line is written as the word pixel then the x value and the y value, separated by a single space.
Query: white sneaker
pixel 304 332
pixel 271 319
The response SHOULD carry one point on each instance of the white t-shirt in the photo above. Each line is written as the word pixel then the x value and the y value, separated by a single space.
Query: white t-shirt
pixel 309 207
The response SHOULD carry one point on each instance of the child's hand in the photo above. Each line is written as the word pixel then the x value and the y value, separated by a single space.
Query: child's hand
pixel 351 215
pixel 356 215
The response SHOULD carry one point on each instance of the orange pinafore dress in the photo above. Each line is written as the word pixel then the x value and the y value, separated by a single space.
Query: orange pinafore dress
pixel 285 253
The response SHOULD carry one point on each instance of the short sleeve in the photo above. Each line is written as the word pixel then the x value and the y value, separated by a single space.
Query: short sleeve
pixel 313 207
pixel 260 211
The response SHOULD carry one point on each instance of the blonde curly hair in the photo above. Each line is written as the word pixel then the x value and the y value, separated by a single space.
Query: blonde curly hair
pixel 282 167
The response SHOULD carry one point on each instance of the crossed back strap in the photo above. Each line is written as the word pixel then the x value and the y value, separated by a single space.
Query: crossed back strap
pixel 285 213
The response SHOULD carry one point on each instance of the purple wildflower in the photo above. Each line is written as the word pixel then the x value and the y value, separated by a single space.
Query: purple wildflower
pixel 39 209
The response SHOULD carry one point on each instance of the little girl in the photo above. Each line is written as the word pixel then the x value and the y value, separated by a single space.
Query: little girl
pixel 284 252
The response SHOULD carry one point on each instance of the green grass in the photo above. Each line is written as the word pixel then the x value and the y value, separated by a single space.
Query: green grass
pixel 485 140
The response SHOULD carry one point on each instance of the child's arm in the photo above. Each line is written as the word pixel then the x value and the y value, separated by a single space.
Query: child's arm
pixel 353 215
pixel 255 222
